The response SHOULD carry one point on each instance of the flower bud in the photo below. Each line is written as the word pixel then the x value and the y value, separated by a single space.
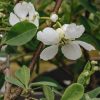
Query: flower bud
pixel 2 15
pixel 96 68
pixel 54 17
pixel 67 82
pixel 94 62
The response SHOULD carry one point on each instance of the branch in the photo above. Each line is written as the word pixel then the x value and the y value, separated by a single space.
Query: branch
pixel 6 70
pixel 7 86
pixel 35 55
pixel 17 1
pixel 57 6
pixel 38 51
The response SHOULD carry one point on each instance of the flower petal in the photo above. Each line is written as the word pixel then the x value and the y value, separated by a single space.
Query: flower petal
pixel 21 9
pixel 13 19
pixel 49 52
pixel 74 31
pixel 49 36
pixel 36 21
pixel 72 51
pixel 31 10
pixel 64 27
pixel 85 45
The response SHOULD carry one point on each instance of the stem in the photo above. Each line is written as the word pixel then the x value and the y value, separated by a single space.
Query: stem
pixel 59 24
pixel 17 1
pixel 46 18
pixel 38 51
pixel 57 6
pixel 4 29
pixel 35 55
pixel 6 71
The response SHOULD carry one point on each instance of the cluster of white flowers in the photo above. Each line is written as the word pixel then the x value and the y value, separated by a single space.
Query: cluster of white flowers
pixel 24 11
pixel 63 37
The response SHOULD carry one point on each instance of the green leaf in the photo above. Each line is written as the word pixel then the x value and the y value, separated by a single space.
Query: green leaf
pixel 94 93
pixel 88 5
pixel 32 45
pixel 48 93
pixel 23 74
pixel 20 34
pixel 83 78
pixel 85 22
pixel 44 83
pixel 48 79
pixel 73 92
pixel 87 97
pixel 14 81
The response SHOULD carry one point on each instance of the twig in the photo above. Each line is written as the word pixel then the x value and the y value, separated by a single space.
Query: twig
pixel 6 71
pixel 57 5
pixel 38 51
pixel 7 86
pixel 17 1
pixel 35 56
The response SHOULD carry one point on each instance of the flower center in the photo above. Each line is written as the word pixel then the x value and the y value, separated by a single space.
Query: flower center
pixel 63 39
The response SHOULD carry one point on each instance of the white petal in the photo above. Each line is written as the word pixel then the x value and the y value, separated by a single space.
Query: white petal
pixel 36 21
pixel 64 27
pixel 74 31
pixel 13 19
pixel 49 52
pixel 49 36
pixel 31 10
pixel 85 45
pixel 72 51
pixel 21 9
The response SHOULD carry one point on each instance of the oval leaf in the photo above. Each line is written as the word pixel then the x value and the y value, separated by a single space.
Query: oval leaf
pixel 23 74
pixel 73 92
pixel 20 34
pixel 44 83
pixel 14 81
pixel 49 94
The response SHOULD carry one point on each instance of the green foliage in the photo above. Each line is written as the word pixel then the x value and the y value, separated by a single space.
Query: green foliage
pixel 49 94
pixel 22 78
pixel 20 34
pixel 73 92
pixel 87 97
pixel 14 81
pixel 88 5
pixel 84 77
pixel 23 74
pixel 44 83
pixel 94 93
pixel 22 43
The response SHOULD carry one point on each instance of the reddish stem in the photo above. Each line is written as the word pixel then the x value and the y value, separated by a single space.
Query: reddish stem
pixel 38 51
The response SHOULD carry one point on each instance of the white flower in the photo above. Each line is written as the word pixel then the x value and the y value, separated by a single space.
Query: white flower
pixel 54 17
pixel 63 37
pixel 24 11
pixel 94 62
